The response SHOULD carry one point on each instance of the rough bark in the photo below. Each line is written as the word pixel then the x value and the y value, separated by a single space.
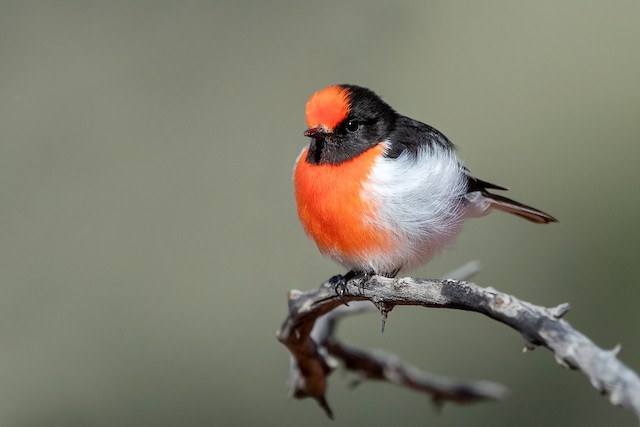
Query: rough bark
pixel 309 333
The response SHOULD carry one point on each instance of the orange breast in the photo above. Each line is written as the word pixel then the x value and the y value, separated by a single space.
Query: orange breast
pixel 332 210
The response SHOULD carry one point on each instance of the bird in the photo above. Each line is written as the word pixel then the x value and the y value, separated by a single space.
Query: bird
pixel 381 193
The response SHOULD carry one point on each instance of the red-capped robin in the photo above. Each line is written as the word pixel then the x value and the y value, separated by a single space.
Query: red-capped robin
pixel 381 193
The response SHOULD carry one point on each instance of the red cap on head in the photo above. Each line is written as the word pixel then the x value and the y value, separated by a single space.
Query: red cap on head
pixel 328 107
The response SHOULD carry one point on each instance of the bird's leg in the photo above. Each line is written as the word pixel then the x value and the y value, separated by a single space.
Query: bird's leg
pixel 393 273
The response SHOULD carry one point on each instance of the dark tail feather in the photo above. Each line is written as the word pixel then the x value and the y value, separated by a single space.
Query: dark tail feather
pixel 511 206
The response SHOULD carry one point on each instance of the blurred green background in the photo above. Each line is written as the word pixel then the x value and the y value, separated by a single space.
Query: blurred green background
pixel 148 233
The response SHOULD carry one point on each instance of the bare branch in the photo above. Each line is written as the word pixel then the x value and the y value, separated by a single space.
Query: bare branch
pixel 316 351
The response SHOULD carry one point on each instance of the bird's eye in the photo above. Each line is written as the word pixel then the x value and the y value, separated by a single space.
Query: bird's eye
pixel 352 126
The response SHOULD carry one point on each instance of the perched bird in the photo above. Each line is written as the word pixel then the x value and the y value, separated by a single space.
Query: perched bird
pixel 381 193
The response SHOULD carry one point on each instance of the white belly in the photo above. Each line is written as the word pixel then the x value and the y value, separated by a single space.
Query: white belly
pixel 421 201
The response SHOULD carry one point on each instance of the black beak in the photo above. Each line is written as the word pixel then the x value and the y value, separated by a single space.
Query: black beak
pixel 315 132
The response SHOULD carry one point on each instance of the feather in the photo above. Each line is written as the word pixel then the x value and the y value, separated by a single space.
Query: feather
pixel 511 206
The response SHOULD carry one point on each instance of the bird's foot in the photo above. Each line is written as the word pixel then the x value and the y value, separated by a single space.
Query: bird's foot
pixel 340 285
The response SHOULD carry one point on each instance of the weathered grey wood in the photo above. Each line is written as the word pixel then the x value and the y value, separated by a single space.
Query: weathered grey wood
pixel 308 334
